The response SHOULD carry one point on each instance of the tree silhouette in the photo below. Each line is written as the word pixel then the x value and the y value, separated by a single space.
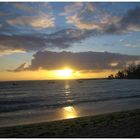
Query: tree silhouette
pixel 111 76
pixel 120 75
pixel 132 72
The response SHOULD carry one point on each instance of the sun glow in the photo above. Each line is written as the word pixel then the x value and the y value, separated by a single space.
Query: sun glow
pixel 69 112
pixel 65 73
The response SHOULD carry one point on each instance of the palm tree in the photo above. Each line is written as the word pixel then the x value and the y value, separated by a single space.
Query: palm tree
pixel 132 72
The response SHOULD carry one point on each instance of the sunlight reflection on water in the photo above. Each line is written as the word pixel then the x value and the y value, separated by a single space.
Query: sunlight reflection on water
pixel 67 91
pixel 69 112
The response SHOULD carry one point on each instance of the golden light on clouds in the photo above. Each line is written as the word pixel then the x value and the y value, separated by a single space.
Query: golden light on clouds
pixel 41 21
pixel 114 64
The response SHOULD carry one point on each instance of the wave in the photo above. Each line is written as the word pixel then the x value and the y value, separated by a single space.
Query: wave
pixel 12 106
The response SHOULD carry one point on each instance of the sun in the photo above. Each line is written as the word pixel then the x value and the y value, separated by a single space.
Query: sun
pixel 64 73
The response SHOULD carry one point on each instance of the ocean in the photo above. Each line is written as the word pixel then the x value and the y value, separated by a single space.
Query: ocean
pixel 24 102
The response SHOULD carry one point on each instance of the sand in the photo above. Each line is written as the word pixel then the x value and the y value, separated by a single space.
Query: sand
pixel 113 125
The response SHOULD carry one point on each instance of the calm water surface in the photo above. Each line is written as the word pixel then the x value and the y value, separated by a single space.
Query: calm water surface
pixel 36 101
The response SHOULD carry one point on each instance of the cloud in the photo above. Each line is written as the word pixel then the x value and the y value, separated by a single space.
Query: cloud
pixel 39 22
pixel 131 45
pixel 72 8
pixel 105 22
pixel 36 18
pixel 131 19
pixel 129 22
pixel 10 51
pixel 35 42
pixel 90 61
pixel 77 11
pixel 19 68
pixel 102 20
pixel 77 7
pixel 23 6
pixel 87 16
pixel 83 25
pixel 20 41
pixel 29 8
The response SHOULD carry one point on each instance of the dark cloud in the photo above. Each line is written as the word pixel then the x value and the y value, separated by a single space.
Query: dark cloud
pixel 36 42
pixel 20 43
pixel 131 18
pixel 129 22
pixel 79 60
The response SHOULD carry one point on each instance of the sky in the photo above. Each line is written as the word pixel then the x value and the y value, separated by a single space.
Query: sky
pixel 93 39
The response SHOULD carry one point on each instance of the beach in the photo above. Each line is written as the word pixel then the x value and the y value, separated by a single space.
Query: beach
pixel 125 124
pixel 68 109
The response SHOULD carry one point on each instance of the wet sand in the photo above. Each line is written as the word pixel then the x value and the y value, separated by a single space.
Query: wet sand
pixel 113 125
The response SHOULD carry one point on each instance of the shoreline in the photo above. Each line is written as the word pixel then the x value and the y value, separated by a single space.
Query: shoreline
pixel 67 112
pixel 117 125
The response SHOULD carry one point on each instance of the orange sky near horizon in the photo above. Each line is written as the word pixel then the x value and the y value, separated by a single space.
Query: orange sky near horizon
pixel 52 74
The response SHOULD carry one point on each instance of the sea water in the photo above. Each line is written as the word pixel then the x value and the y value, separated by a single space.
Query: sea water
pixel 38 101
